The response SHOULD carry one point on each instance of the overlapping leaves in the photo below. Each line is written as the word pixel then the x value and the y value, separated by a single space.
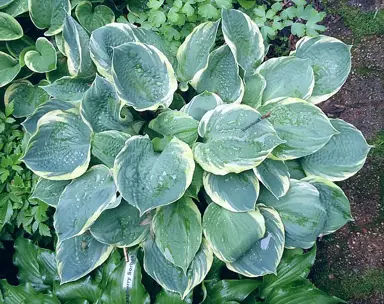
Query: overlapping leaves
pixel 124 159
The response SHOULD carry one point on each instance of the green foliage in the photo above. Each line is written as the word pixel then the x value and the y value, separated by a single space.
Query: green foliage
pixel 16 184
pixel 175 19
pixel 177 151
pixel 39 282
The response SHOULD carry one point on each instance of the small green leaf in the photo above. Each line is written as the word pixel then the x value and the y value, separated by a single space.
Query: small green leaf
pixel 10 29
pixel 254 88
pixel 93 18
pixel 9 68
pixel 49 14
pixel 43 59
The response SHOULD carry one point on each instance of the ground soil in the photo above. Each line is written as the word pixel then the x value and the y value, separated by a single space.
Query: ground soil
pixel 350 262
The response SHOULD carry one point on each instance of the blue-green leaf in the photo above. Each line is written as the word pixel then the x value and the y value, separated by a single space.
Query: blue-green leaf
pixel 78 256
pixel 192 55
pixel 9 68
pixel 68 88
pixel 342 157
pixel 201 104
pixel 235 139
pixel 254 88
pixel 221 76
pixel 30 124
pixel 235 192
pixel 244 38
pixel 331 62
pixel 10 28
pixel 303 126
pixel 107 145
pixel 178 232
pixel 82 202
pixel 43 59
pixel 49 191
pixel 147 179
pixel 143 76
pixel 287 77
pixel 274 175
pixel 264 255
pixel 232 234
pixel 172 278
pixel 76 48
pixel 120 226
pixel 60 148
pixel 302 213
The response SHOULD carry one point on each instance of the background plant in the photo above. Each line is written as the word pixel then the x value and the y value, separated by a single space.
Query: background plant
pixel 16 209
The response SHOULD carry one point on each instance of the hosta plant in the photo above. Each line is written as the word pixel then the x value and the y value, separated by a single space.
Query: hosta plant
pixel 213 155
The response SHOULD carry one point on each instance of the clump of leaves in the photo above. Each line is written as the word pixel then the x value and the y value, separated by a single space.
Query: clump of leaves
pixel 298 15
pixel 16 184
pixel 39 280
pixel 212 154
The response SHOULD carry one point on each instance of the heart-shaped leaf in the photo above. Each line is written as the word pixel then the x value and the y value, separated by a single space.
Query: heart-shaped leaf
pixel 10 28
pixel 342 157
pixel 287 77
pixel 78 256
pixel 120 226
pixel 265 254
pixel 147 179
pixel 93 18
pixel 9 68
pixel 25 97
pixel 235 138
pixel 49 14
pixel 232 234
pixel 235 192
pixel 221 76
pixel 178 232
pixel 201 104
pixel 43 59
pixel 303 126
pixel 82 202
pixel 60 148
pixel 244 38
pixel 143 76
pixel 331 62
